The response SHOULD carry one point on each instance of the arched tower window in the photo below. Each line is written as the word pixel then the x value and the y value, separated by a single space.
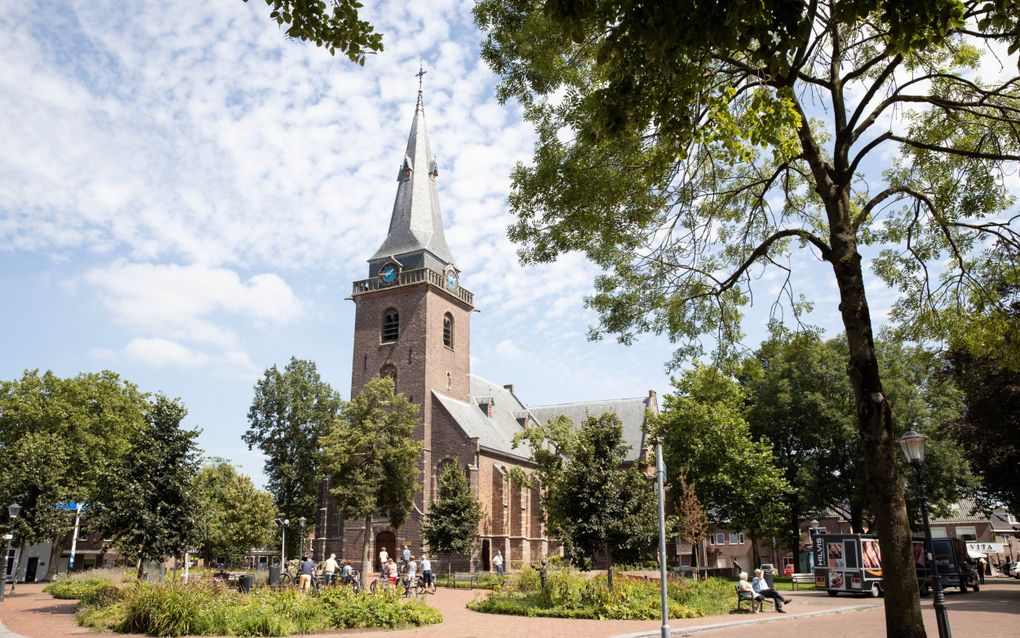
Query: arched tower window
pixel 390 325
pixel 448 330
pixel 389 370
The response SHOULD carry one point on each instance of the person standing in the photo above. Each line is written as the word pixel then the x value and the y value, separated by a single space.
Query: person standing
pixel 384 559
pixel 982 568
pixel 391 572
pixel 329 567
pixel 412 573
pixel 497 562
pixel 407 555
pixel 305 572
pixel 426 569
pixel 761 587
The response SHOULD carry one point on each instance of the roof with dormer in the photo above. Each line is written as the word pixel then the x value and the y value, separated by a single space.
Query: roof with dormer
pixel 416 223
pixel 630 411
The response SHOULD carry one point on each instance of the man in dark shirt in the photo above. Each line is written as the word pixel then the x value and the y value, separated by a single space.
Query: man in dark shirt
pixel 305 572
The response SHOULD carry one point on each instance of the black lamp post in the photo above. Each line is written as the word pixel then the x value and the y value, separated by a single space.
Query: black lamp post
pixel 12 511
pixel 812 530
pixel 912 445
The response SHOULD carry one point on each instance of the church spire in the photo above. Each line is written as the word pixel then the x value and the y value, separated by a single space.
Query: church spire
pixel 416 236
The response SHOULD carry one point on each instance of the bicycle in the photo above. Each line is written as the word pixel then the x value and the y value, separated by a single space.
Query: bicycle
pixel 421 588
pixel 382 585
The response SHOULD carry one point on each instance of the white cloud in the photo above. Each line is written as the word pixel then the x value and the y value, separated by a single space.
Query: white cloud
pixel 163 352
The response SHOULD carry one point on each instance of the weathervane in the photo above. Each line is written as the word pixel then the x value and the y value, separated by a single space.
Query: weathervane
pixel 421 73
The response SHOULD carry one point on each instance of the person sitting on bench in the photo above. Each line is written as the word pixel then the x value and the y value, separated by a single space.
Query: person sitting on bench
pixel 745 590
pixel 761 587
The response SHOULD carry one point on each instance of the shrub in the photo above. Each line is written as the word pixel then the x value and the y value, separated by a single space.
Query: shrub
pixel 77 588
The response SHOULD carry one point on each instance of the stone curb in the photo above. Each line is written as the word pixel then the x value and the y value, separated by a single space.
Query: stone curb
pixel 689 631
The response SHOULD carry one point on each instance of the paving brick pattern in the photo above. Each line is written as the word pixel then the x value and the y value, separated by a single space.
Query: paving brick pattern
pixel 992 613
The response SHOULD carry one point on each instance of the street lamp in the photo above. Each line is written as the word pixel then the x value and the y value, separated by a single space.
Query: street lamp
pixel 812 530
pixel 301 525
pixel 912 445
pixel 283 523
pixel 12 512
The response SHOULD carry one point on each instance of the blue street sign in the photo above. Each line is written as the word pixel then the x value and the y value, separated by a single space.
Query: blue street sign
pixel 71 506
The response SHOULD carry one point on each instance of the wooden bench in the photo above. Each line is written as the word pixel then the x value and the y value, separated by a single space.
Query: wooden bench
pixel 749 597
pixel 802 579
pixel 452 579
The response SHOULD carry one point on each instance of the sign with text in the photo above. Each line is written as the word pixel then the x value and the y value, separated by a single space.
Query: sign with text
pixel 984 548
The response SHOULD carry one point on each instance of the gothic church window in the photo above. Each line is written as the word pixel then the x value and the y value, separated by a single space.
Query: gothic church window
pixel 390 326
pixel 448 330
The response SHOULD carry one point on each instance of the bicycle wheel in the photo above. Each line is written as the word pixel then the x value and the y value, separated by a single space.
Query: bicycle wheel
pixel 286 580
pixel 430 588
pixel 378 585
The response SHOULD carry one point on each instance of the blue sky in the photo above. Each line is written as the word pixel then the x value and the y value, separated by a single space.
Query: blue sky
pixel 187 197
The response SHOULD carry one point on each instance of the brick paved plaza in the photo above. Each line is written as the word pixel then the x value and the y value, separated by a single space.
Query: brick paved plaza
pixel 992 613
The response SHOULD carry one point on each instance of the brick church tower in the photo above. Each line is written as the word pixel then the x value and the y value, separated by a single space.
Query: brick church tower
pixel 412 323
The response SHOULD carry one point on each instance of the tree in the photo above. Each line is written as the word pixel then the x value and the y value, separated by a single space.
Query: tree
pixel 688 148
pixel 79 429
pixel 452 522
pixel 289 414
pixel 339 28
pixel 803 405
pixel 595 503
pixel 151 512
pixel 691 519
pixel 234 515
pixel 706 438
pixel 372 459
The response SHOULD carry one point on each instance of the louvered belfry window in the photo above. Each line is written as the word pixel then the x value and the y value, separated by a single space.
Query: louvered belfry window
pixel 390 326
pixel 448 330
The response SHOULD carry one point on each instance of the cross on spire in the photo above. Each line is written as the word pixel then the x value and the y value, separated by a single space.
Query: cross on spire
pixel 421 73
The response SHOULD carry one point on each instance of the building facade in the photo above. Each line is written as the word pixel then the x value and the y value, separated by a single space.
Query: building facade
pixel 413 323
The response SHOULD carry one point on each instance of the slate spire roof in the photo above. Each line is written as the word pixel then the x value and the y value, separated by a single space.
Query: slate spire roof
pixel 416 224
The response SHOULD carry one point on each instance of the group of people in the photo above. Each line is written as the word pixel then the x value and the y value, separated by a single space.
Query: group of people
pixel 409 567
pixel 758 590
pixel 328 568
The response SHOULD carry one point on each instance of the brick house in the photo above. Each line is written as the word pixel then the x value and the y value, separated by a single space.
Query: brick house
pixel 412 323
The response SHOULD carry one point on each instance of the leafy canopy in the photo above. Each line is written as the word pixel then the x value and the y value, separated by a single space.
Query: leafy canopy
pixel 333 25
pixel 452 522
pixel 234 515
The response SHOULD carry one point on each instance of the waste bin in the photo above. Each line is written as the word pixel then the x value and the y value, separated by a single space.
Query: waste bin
pixel 244 583
pixel 274 575
pixel 767 573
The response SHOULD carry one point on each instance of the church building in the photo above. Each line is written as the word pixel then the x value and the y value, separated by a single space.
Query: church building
pixel 413 323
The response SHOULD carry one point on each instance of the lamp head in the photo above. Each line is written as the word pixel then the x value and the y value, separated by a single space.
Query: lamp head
pixel 814 523
pixel 912 444
pixel 13 510
pixel 301 521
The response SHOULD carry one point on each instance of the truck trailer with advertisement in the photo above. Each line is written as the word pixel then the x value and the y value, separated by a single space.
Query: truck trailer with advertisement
pixel 848 563
pixel 852 564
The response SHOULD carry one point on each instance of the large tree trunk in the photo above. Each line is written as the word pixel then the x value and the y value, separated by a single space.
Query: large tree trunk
pixel 56 549
pixel 885 491
pixel 366 549
pixel 609 571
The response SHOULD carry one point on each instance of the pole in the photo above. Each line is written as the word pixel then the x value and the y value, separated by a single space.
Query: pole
pixel 187 563
pixel 283 549
pixel 7 558
pixel 660 473
pixel 74 537
pixel 939 599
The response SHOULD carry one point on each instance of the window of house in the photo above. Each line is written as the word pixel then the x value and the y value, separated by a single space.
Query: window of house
pixel 720 538
pixel 448 330
pixel 733 538
pixel 390 326
pixel 966 532
pixel 742 539
pixel 938 532
pixel 711 539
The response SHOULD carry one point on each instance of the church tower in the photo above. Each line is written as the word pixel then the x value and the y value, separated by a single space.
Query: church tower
pixel 412 316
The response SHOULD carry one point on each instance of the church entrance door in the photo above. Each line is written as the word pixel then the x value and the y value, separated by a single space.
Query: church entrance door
pixel 485 554
pixel 388 540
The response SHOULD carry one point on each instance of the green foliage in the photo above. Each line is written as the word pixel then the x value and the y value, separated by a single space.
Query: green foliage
pixel 371 456
pixel 234 515
pixel 570 594
pixel 79 429
pixel 452 522
pixel 150 511
pixel 594 503
pixel 334 26
pixel 290 412
pixel 175 609
pixel 705 436
pixel 76 589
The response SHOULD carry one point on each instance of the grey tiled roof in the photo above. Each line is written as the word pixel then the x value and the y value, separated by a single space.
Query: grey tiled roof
pixel 495 433
pixel 967 511
pixel 630 411
pixel 416 223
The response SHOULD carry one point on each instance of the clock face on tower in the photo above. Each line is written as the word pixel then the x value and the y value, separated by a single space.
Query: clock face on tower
pixel 451 280
pixel 388 273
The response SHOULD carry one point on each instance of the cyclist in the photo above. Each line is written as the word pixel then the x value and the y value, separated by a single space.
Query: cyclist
pixel 306 570
pixel 391 572
pixel 347 574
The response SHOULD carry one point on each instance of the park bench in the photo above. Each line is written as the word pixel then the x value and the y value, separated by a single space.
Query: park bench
pixel 449 579
pixel 749 597
pixel 802 579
